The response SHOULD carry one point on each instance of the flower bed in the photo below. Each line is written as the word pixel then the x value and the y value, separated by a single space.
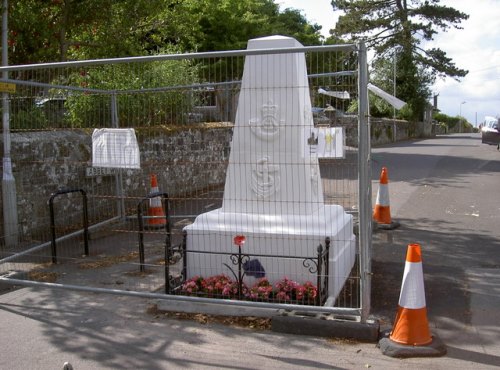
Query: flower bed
pixel 221 286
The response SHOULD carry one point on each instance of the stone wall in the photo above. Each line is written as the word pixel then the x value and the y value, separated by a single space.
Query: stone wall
pixel 383 130
pixel 185 160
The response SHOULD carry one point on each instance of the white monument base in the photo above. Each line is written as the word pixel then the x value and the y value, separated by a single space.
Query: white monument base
pixel 283 244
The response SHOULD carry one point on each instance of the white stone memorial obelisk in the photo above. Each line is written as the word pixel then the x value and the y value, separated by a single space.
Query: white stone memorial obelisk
pixel 273 194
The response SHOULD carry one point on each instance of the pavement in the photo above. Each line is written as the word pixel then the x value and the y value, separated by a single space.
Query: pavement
pixel 44 328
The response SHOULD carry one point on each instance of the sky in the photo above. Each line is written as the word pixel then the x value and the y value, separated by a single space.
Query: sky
pixel 475 48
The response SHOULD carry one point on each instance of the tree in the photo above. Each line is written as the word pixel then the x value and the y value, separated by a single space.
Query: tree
pixel 400 27
pixel 453 124
pixel 149 108
pixel 46 31
pixel 229 24
pixel 291 22
pixel 59 30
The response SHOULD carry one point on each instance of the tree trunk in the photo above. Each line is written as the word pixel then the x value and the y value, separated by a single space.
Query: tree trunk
pixel 63 44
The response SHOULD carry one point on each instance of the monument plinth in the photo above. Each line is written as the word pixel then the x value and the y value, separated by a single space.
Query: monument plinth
pixel 273 193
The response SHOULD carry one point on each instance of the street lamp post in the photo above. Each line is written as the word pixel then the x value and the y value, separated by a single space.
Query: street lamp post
pixel 394 82
pixel 460 117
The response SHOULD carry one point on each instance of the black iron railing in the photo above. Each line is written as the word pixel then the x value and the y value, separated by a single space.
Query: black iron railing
pixel 85 220
pixel 140 219
pixel 244 265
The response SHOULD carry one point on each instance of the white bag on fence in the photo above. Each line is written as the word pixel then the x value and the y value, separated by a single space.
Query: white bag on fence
pixel 392 100
pixel 115 148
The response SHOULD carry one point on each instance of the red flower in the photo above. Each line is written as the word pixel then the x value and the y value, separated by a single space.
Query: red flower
pixel 239 240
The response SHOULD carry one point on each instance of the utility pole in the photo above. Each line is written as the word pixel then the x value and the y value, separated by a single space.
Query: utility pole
pixel 9 197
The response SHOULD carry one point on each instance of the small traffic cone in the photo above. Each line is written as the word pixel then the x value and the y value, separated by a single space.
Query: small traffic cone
pixel 156 215
pixel 410 335
pixel 382 210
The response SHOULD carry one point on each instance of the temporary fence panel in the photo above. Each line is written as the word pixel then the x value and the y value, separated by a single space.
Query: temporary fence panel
pixel 149 150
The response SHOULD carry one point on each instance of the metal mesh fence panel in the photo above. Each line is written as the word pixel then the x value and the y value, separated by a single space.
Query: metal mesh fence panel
pixel 185 112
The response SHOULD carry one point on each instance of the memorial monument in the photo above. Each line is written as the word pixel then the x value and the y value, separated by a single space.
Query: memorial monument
pixel 273 193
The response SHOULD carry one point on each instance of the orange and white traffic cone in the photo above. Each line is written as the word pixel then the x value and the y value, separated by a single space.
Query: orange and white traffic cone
pixel 411 326
pixel 410 335
pixel 156 215
pixel 382 210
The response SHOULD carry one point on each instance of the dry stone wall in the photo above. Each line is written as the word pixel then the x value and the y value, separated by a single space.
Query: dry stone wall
pixel 185 160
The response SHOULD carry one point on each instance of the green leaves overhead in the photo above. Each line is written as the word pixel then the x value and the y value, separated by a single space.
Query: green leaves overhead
pixel 59 30
pixel 390 24
pixel 402 28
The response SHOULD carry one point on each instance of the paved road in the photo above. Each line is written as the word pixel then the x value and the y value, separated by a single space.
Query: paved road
pixel 435 187
pixel 445 192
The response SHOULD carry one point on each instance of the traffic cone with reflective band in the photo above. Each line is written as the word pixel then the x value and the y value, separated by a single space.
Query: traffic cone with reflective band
pixel 156 215
pixel 410 335
pixel 382 211
pixel 411 326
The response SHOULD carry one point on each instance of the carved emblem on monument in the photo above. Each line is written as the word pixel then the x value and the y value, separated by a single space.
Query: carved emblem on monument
pixel 265 179
pixel 268 126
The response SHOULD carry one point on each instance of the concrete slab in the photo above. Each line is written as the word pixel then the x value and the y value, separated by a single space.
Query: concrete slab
pixel 325 325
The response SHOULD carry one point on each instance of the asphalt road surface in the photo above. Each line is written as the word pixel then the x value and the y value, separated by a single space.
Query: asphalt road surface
pixel 445 192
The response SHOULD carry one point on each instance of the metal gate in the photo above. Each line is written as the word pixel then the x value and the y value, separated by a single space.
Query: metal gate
pixel 182 109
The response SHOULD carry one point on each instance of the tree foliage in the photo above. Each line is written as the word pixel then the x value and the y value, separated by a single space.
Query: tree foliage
pixel 59 30
pixel 452 122
pixel 142 108
pixel 401 28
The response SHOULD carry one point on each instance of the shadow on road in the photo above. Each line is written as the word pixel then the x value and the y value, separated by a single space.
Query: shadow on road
pixel 447 256
pixel 472 356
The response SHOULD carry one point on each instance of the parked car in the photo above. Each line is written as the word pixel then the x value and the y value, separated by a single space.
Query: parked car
pixel 490 131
